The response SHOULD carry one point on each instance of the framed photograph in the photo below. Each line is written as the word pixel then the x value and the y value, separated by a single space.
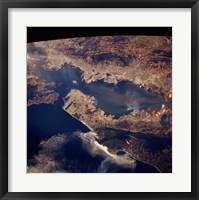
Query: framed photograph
pixel 99 99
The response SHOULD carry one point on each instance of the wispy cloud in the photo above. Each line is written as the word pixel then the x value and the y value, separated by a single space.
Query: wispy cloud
pixel 78 152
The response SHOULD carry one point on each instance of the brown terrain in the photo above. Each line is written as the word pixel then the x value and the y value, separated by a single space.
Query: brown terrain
pixel 82 107
pixel 145 61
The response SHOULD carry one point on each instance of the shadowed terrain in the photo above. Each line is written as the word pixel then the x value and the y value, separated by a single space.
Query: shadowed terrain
pixel 100 105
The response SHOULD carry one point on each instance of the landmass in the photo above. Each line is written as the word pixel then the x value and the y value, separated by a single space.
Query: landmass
pixel 64 70
pixel 82 107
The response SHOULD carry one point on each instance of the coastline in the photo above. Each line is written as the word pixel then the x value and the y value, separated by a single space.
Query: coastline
pixel 78 120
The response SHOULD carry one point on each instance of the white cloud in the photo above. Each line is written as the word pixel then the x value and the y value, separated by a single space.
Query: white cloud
pixel 53 157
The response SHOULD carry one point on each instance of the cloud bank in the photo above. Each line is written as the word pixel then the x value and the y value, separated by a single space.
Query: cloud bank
pixel 77 153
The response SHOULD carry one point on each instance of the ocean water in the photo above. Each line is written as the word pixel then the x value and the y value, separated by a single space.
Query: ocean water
pixel 45 121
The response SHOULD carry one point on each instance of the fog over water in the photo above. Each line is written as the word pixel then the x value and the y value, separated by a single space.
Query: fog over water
pixel 57 142
pixel 115 99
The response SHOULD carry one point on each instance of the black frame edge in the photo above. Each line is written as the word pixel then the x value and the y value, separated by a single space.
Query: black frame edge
pixel 99 3
pixel 194 98
pixel 3 102
pixel 197 95
pixel 197 64
pixel 4 194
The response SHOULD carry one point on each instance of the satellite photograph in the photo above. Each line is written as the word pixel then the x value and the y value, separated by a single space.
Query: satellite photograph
pixel 100 104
